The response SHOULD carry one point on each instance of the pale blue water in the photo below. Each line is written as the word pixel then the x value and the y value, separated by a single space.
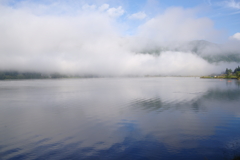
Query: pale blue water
pixel 120 118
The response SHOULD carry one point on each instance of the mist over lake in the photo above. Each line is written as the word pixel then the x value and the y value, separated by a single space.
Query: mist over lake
pixel 120 118
pixel 119 38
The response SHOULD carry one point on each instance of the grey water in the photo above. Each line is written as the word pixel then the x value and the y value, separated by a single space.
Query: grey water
pixel 120 118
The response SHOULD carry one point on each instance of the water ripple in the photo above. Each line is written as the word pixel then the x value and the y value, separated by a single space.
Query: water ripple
pixel 155 118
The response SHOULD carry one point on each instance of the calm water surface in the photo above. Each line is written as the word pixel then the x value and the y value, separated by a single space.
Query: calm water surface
pixel 120 118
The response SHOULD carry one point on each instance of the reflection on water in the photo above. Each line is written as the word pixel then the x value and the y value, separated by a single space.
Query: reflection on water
pixel 131 118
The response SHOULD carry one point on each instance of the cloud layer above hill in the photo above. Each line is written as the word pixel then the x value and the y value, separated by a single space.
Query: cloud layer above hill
pixel 90 39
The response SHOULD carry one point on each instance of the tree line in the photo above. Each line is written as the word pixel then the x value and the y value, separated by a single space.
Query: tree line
pixel 229 73
pixel 28 75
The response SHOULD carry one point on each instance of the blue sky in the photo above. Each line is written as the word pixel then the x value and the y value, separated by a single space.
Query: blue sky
pixel 224 13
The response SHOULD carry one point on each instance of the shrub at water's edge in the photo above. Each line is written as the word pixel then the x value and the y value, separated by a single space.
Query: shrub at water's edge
pixel 238 75
pixel 229 74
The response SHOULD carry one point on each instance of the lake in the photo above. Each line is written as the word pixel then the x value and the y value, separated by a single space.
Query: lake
pixel 166 118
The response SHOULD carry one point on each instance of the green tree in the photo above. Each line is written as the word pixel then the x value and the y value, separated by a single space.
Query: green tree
pixel 237 69
pixel 238 75
pixel 228 73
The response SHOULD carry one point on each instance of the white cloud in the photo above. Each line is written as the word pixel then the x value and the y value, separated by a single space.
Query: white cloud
pixel 115 12
pixel 236 36
pixel 103 7
pixel 91 44
pixel 112 12
pixel 88 7
pixel 233 4
pixel 177 24
pixel 139 15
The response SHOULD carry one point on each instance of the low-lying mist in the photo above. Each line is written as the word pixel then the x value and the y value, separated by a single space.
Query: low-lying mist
pixel 92 41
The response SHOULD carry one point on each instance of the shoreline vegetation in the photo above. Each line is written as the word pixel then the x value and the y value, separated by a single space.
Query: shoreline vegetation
pixel 228 74
pixel 15 75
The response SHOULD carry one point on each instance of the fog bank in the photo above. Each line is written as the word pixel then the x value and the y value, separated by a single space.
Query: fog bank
pixel 91 40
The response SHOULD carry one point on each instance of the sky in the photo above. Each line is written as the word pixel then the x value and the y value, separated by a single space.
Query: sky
pixel 109 37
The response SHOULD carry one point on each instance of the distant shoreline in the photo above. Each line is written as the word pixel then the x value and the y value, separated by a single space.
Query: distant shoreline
pixel 15 75
pixel 219 77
